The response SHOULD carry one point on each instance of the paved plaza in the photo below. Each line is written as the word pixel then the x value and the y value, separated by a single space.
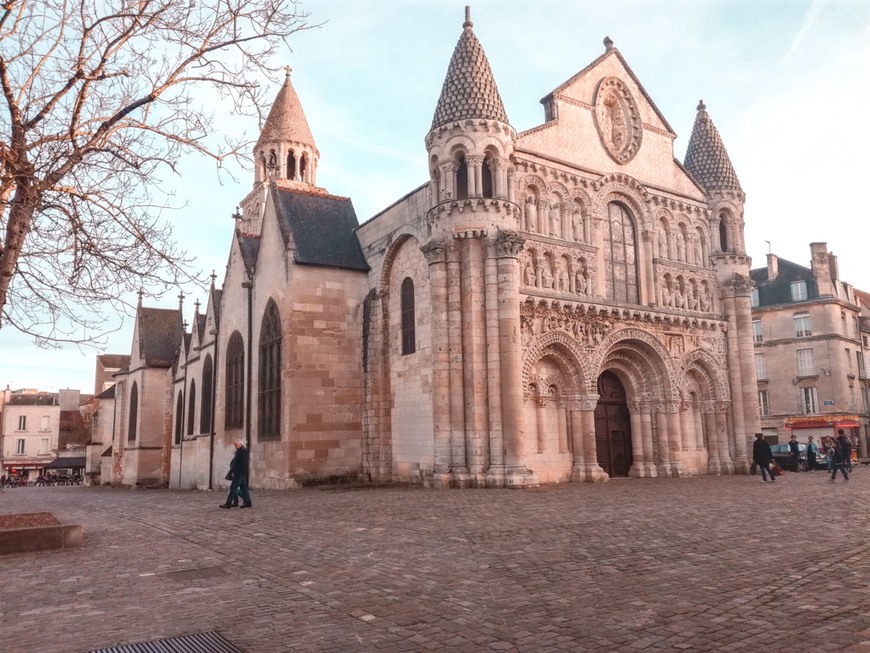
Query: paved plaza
pixel 697 564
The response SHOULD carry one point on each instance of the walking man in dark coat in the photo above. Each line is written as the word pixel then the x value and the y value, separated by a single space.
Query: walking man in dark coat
pixel 238 474
pixel 846 443
pixel 762 455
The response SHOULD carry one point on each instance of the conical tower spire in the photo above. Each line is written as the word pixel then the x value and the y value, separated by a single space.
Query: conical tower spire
pixel 706 157
pixel 286 148
pixel 469 89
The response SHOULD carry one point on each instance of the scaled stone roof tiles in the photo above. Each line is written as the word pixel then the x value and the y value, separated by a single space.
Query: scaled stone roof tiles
pixel 286 120
pixel 160 334
pixel 706 158
pixel 469 89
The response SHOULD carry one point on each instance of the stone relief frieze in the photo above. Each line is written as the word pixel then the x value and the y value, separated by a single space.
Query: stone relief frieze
pixel 617 119
pixel 558 270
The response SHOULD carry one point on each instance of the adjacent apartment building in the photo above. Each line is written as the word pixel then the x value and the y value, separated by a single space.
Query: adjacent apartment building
pixel 809 350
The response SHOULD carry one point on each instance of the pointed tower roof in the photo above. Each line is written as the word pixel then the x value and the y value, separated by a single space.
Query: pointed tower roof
pixel 286 120
pixel 469 89
pixel 706 158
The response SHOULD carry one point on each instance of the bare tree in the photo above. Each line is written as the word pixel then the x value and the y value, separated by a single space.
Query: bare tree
pixel 98 98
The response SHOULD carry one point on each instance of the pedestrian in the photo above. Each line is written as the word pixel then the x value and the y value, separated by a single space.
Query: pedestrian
pixel 839 461
pixel 762 455
pixel 828 444
pixel 846 443
pixel 812 452
pixel 794 450
pixel 238 474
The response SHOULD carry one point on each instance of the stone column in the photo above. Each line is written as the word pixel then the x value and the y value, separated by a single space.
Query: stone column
pixel 509 245
pixel 675 440
pixel 436 255
pixel 689 450
pixel 663 464
pixel 475 174
pixel 594 472
pixel 495 473
pixel 714 465
pixel 474 354
pixel 735 370
pixel 650 295
pixel 578 470
pixel 749 386
pixel 458 468
pixel 637 467
pixel 448 182
pixel 649 461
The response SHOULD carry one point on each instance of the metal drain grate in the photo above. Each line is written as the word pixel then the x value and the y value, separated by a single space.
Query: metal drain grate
pixel 207 642
pixel 196 574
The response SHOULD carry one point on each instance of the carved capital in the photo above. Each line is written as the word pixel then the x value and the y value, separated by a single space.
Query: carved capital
pixel 474 160
pixel 434 251
pixel 510 244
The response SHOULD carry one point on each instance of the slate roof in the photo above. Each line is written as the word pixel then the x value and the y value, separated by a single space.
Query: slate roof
pixel 114 361
pixel 108 393
pixel 286 120
pixel 33 400
pixel 216 305
pixel 250 250
pixel 469 89
pixel 160 332
pixel 321 226
pixel 778 290
pixel 706 158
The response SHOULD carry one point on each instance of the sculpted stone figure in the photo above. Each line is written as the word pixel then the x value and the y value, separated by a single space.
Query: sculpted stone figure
pixel 581 284
pixel 681 247
pixel 562 282
pixel 577 224
pixel 531 213
pixel 556 220
pixel 546 275
pixel 667 295
pixel 529 274
pixel 663 243
pixel 704 298
pixel 699 252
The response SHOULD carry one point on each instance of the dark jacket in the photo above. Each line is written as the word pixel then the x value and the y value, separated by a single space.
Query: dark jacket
pixel 239 464
pixel 846 444
pixel 761 452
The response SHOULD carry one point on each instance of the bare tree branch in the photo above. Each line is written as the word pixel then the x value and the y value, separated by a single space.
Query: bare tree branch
pixel 96 99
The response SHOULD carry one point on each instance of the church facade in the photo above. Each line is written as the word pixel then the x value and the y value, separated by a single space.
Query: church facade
pixel 565 303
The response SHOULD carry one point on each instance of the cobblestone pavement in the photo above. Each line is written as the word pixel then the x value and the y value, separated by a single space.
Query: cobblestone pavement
pixel 697 564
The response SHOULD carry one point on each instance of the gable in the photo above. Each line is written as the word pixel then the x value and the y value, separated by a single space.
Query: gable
pixel 602 120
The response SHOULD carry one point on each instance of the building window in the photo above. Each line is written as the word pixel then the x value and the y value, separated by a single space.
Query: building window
pixel 798 290
pixel 134 412
pixel 753 298
pixel 809 401
pixel 19 445
pixel 22 422
pixel 191 407
pixel 849 359
pixel 179 417
pixel 859 356
pixel 43 445
pixel 756 331
pixel 487 169
pixel 805 363
pixel 269 405
pixel 235 381
pixel 46 423
pixel 763 403
pixel 760 366
pixel 461 178
pixel 620 253
pixel 205 416
pixel 865 394
pixel 802 326
pixel 409 339
pixel 865 341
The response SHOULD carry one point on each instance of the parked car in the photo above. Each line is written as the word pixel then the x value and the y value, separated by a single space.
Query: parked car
pixel 782 456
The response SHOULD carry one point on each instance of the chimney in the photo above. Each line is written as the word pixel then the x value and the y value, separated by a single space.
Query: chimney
pixel 835 269
pixel 772 267
pixel 822 268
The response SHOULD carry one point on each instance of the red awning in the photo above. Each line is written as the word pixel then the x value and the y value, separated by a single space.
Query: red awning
pixel 832 420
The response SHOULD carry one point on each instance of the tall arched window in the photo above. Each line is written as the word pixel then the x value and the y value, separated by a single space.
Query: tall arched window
pixel 191 407
pixel 486 176
pixel 461 178
pixel 303 167
pixel 269 404
pixel 235 380
pixel 620 255
pixel 205 413
pixel 409 339
pixel 724 245
pixel 134 413
pixel 179 417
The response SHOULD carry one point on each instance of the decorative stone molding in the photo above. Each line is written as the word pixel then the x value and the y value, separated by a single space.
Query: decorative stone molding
pixel 434 251
pixel 510 244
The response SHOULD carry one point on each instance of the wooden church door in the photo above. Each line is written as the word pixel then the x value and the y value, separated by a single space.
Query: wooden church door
pixel 612 426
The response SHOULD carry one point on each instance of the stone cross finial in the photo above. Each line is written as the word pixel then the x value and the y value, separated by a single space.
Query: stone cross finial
pixel 701 105
pixel 180 299
pixel 608 44
pixel 196 306
pixel 141 293
pixel 467 22
pixel 287 71
pixel 213 279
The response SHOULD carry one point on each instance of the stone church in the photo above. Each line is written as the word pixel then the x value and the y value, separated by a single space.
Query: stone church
pixel 565 303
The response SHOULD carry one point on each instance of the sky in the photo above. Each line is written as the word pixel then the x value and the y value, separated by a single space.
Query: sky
pixel 786 82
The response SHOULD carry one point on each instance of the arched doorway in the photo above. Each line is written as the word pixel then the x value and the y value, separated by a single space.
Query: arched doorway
pixel 612 426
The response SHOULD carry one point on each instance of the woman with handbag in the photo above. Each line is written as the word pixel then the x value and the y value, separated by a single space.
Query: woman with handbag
pixel 238 475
